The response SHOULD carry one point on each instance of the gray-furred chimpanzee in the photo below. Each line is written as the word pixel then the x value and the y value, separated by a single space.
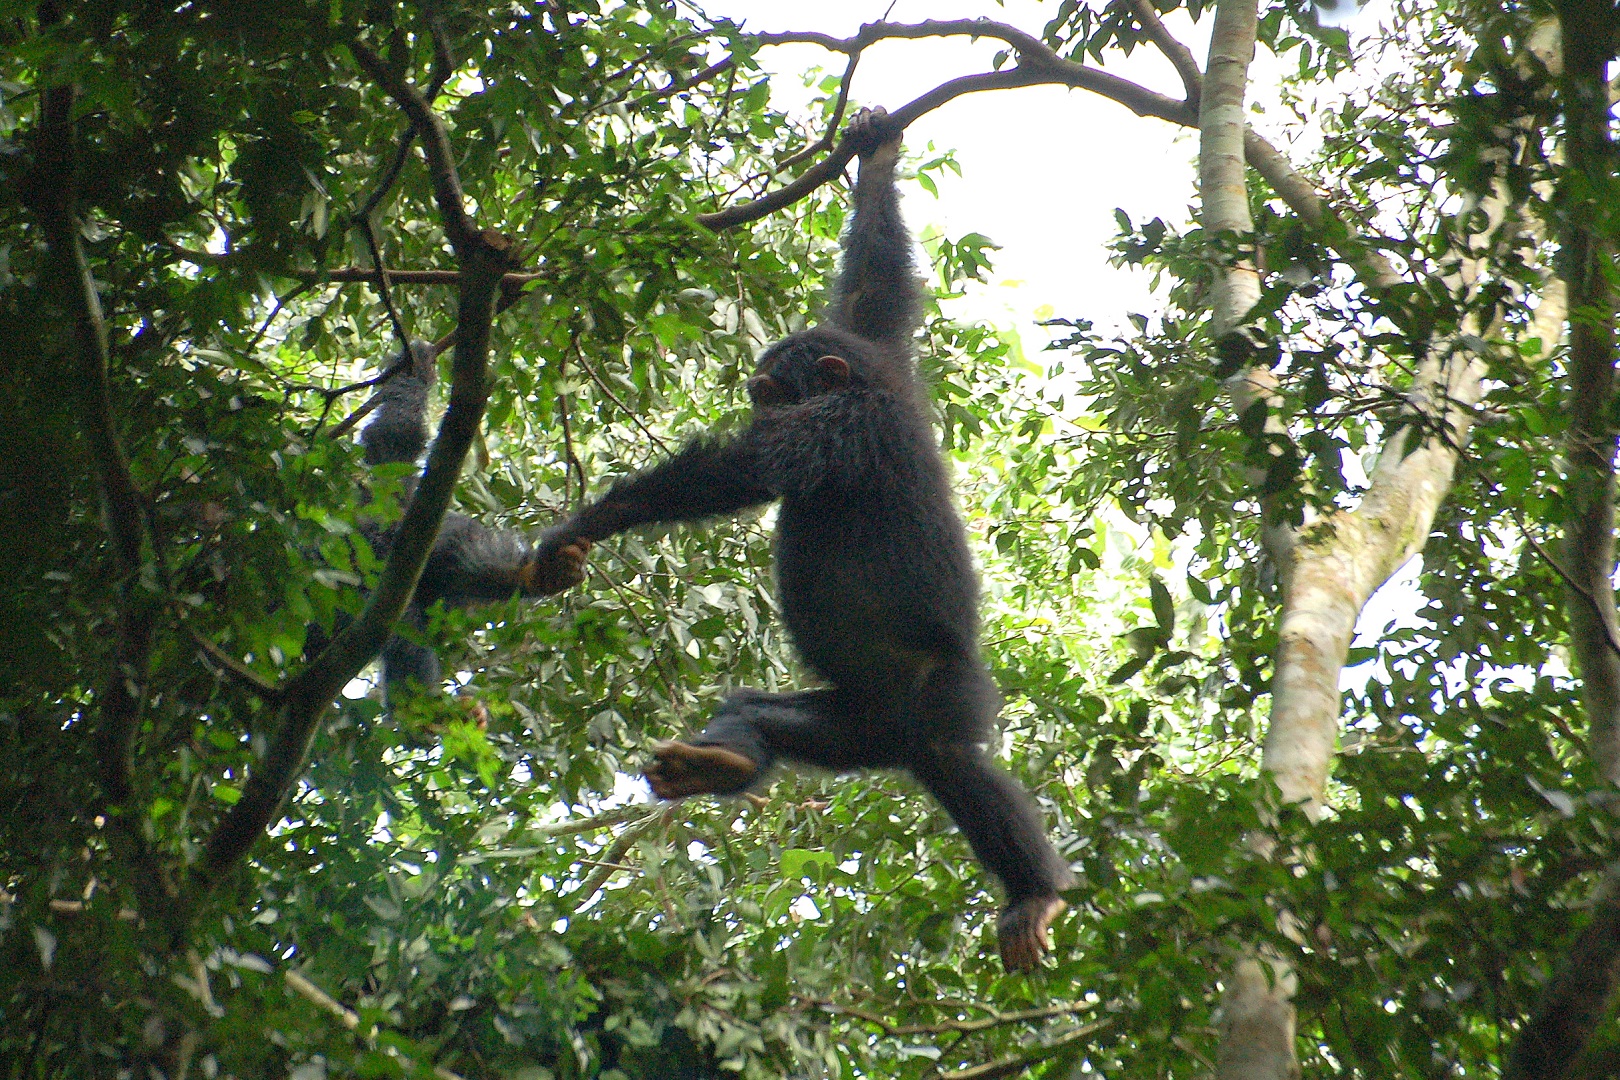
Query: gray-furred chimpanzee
pixel 469 563
pixel 873 570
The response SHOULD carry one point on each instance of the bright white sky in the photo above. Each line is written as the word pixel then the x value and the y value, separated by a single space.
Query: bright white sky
pixel 1043 167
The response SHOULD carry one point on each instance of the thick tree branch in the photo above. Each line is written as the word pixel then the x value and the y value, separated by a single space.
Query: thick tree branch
pixel 307 695
pixel 1576 1001
pixel 485 258
pixel 458 226
pixel 1580 995
pixel 122 697
pixel 1587 261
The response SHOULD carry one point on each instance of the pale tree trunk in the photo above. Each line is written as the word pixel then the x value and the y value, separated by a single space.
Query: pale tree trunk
pixel 1329 567
pixel 1257 1030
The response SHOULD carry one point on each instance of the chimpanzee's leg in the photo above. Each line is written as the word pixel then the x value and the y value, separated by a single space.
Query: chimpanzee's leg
pixel 751 729
pixel 996 815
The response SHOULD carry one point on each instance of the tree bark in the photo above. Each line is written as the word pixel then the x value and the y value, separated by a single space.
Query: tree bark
pixel 1580 995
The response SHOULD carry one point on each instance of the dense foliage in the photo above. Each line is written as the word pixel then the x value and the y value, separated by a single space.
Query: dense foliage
pixel 490 893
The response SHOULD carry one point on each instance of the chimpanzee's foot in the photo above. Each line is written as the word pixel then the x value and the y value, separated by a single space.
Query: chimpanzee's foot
pixel 1022 931
pixel 680 769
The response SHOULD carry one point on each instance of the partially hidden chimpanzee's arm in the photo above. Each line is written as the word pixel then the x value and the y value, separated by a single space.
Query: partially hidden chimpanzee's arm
pixel 706 478
pixel 877 295
pixel 469 562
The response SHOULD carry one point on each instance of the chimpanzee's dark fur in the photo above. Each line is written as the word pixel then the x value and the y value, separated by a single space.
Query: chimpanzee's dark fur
pixel 873 569
pixel 469 563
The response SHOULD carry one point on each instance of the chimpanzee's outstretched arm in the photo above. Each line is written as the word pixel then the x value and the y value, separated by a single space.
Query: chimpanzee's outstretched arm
pixel 706 478
pixel 877 293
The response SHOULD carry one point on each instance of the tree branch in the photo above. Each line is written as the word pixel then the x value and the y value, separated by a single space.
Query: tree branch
pixel 308 694
pixel 1577 998
pixel 1586 261
pixel 1015 1064
pixel 415 277
pixel 351 1020
pixel 485 256
pixel 122 698
pixel 676 86
pixel 1035 56
pixel 824 143
pixel 1181 57
pixel 1140 100
pixel 996 1018
pixel 458 226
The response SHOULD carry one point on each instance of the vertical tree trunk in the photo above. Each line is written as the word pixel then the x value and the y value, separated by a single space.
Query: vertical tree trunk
pixel 1580 994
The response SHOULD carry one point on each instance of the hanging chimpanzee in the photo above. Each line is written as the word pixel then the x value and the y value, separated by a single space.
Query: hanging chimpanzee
pixel 876 582
pixel 469 562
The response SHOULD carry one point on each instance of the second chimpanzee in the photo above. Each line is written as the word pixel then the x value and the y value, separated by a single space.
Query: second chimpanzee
pixel 876 583
pixel 469 562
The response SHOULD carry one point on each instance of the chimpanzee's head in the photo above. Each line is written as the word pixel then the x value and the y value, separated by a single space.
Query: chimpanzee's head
pixel 811 363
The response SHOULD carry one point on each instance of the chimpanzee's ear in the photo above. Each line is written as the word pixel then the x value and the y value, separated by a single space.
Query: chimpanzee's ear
pixel 834 371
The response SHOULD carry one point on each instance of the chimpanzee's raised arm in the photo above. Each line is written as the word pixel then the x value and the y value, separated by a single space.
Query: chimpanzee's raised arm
pixel 877 294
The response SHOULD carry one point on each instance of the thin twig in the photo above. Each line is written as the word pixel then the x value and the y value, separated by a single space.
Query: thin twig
pixel 605 820
pixel 826 141
pixel 676 86
pixel 249 678
pixel 579 354
pixel 1014 1064
pixel 281 302
pixel 609 864
pixel 447 193
pixel 342 426
pixel 413 277
pixel 351 1020
pixel 995 1018
pixel 363 223
pixel 571 460
pixel 1567 578
pixel 1192 79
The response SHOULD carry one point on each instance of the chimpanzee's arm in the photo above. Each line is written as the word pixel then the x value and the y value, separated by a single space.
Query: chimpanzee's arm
pixel 470 563
pixel 877 293
pixel 399 431
pixel 707 478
